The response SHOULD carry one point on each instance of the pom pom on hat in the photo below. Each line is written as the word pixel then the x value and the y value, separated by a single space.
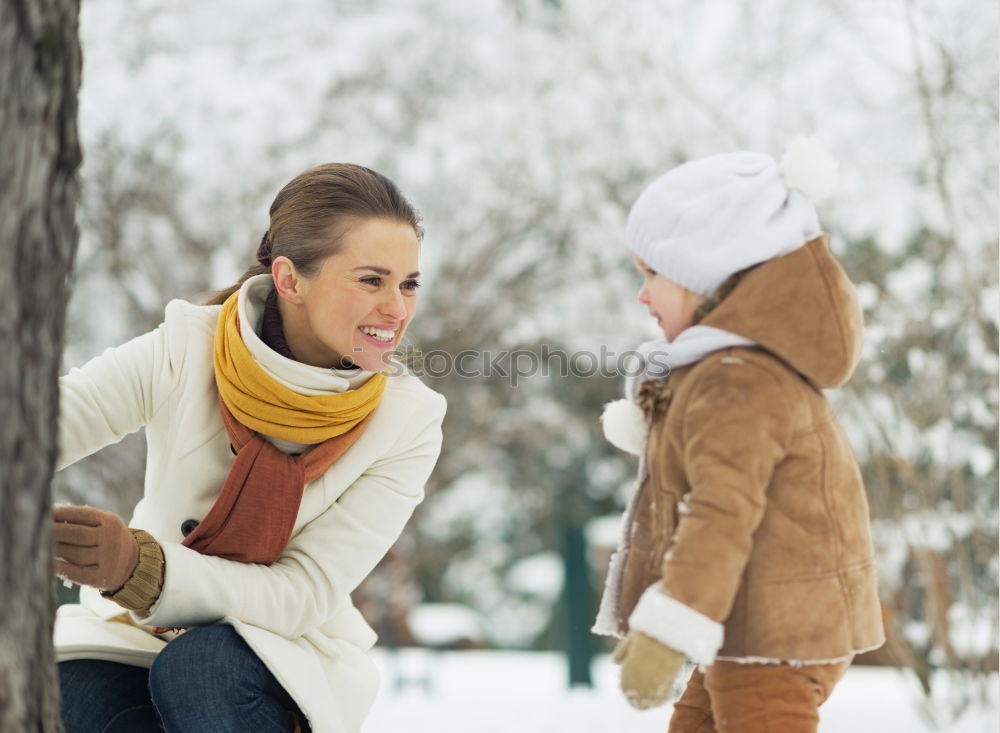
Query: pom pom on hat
pixel 625 426
pixel 809 168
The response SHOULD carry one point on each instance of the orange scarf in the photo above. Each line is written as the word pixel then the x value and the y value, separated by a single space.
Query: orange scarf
pixel 254 515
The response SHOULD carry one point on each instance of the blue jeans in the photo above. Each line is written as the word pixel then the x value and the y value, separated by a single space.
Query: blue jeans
pixel 207 680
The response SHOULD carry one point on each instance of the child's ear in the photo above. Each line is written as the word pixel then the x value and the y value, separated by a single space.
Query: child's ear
pixel 288 282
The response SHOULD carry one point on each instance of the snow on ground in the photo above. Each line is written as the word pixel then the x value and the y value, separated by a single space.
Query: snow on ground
pixel 521 692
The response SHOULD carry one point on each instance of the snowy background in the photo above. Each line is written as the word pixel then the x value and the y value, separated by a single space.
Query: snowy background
pixel 511 692
pixel 523 130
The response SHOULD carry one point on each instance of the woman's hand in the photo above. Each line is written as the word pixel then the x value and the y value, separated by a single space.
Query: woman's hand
pixel 93 547
pixel 649 669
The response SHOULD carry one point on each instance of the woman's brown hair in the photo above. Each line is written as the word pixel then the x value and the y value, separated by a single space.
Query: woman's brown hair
pixel 314 210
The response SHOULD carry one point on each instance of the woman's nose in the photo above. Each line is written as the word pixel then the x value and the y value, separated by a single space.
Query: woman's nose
pixel 394 306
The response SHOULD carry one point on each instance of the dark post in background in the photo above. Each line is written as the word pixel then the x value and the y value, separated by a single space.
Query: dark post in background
pixel 577 605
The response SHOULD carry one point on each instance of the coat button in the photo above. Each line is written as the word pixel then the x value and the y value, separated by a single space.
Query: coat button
pixel 187 526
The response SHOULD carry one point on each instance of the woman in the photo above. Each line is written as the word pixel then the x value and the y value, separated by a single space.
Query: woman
pixel 284 458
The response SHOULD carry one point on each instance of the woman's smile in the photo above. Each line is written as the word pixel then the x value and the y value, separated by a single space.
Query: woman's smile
pixel 383 337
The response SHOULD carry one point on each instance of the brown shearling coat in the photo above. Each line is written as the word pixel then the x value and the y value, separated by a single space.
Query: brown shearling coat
pixel 753 512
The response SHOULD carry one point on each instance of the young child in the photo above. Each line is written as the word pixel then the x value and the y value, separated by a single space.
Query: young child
pixel 747 546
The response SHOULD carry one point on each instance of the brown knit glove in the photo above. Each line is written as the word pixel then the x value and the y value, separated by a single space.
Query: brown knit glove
pixel 93 547
pixel 649 669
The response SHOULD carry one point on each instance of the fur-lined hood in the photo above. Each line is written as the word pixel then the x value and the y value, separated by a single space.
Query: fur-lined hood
pixel 803 309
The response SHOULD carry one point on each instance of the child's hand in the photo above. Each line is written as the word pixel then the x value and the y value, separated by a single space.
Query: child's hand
pixel 649 669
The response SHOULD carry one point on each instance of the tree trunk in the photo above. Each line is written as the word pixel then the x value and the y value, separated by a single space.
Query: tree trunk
pixel 39 158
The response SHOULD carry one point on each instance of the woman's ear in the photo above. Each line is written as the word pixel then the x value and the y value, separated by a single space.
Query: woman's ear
pixel 287 281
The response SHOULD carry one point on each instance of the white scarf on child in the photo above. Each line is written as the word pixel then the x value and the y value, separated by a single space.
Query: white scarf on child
pixel 657 358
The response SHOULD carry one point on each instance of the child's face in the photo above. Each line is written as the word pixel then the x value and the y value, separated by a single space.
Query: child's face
pixel 672 306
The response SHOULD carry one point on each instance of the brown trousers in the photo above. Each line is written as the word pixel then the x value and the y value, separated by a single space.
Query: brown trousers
pixel 755 698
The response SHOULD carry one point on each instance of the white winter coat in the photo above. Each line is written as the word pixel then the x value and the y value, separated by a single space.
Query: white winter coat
pixel 296 614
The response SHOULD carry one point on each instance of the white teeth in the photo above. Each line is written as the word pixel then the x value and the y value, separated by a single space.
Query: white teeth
pixel 379 333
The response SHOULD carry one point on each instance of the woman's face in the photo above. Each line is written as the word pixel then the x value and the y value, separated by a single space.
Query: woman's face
pixel 355 309
pixel 671 305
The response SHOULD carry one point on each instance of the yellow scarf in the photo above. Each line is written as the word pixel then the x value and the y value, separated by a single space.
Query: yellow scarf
pixel 263 404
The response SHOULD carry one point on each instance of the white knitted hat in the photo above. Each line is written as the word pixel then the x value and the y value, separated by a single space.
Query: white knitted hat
pixel 709 218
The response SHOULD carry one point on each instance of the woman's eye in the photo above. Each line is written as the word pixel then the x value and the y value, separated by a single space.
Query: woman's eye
pixel 375 281
pixel 410 285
